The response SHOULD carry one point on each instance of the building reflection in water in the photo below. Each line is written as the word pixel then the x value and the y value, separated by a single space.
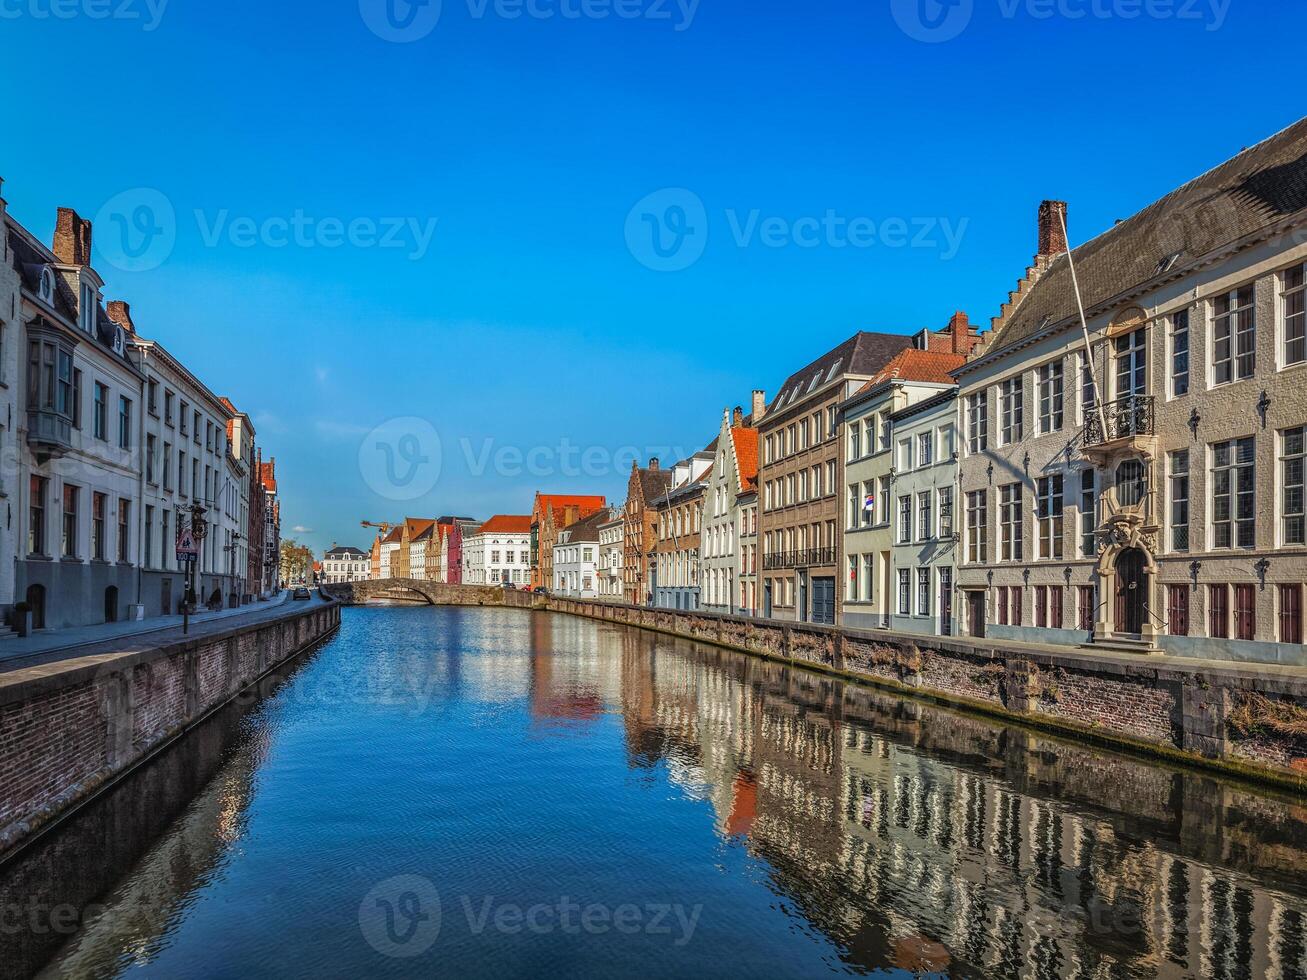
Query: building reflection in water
pixel 910 835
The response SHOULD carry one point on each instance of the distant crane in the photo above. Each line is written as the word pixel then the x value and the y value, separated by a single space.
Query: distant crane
pixel 385 527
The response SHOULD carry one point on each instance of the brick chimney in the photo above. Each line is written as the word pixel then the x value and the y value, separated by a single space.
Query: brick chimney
pixel 759 405
pixel 959 329
pixel 72 238
pixel 571 514
pixel 737 417
pixel 653 464
pixel 120 313
pixel 1052 218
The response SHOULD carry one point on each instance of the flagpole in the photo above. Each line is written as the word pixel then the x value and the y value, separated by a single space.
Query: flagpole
pixel 1084 328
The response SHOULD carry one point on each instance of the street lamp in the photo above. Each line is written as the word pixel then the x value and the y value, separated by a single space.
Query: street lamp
pixel 199 529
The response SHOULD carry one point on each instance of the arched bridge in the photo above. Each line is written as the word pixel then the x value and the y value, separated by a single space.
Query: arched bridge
pixel 419 590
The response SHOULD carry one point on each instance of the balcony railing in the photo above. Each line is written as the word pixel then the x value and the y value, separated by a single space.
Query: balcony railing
pixel 793 559
pixel 1124 418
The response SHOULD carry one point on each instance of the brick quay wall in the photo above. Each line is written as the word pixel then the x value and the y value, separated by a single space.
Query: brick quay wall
pixel 1241 718
pixel 71 727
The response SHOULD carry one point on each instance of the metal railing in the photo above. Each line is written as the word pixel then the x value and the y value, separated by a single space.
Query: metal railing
pixel 1124 418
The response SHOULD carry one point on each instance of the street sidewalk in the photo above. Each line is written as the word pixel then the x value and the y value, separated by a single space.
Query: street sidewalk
pixel 76 637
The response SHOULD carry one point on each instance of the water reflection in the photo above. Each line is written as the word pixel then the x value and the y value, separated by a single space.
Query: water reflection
pixel 888 834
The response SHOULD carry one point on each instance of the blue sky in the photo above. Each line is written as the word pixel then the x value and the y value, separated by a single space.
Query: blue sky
pixel 531 323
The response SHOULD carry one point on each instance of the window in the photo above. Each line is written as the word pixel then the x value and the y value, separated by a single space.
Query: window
pixel 923 591
pixel 1050 502
pixel 1050 398
pixel 868 566
pixel 147 552
pixel 152 396
pixel 124 423
pixel 946 512
pixel 905 519
pixel 855 507
pixel 97 526
pixel 925 448
pixel 69 542
pixel 884 499
pixel 1012 400
pixel 77 399
pixel 1131 364
pixel 1177 610
pixel 905 455
pixel 1234 333
pixel 1245 613
pixel 1178 467
pixel 1085 607
pixel 1218 611
pixel 1180 354
pixel 1130 483
pixel 925 515
pixel 1233 519
pixel 124 529
pixel 168 399
pixel 977 423
pixel 1290 613
pixel 886 432
pixel 1009 518
pixel 149 458
pixel 977 527
pixel 1295 316
pixel 855 441
pixel 167 465
pixel 1291 496
pixel 1087 388
pixel 100 419
pixel 1088 515
pixel 86 310
pixel 905 592
pixel 36 515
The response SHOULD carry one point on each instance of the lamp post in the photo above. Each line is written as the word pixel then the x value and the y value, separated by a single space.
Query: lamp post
pixel 199 527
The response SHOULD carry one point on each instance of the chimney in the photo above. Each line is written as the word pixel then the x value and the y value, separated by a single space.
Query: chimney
pixel 1052 218
pixel 120 313
pixel 571 514
pixel 72 238
pixel 959 329
pixel 653 464
pixel 759 405
pixel 737 419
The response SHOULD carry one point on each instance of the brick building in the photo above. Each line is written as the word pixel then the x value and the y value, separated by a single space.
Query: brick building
pixel 801 476
pixel 675 557
pixel 551 513
pixel 640 529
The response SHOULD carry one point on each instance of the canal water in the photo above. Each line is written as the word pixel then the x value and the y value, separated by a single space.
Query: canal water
pixel 496 792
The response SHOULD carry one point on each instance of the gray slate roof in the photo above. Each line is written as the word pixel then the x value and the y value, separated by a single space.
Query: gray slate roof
pixel 1242 196
pixel 862 354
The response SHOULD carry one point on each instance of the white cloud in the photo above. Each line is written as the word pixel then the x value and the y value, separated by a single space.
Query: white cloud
pixel 301 529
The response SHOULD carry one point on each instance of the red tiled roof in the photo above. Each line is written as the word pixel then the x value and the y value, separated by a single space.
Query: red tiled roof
pixel 507 524
pixel 926 366
pixel 559 502
pixel 268 475
pixel 746 455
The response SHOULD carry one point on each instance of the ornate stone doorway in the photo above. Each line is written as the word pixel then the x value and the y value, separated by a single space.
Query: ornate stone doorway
pixel 1131 592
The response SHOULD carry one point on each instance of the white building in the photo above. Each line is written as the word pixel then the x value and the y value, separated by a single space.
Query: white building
pixel 499 551
pixel 76 505
pixel 576 557
pixel 186 463
pixel 390 544
pixel 611 562
pixel 346 564
pixel 728 549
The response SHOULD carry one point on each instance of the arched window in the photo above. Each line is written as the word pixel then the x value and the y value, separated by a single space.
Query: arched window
pixel 1130 483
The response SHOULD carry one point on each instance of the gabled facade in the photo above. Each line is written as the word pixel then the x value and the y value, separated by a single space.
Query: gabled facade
pixel 1152 498
pixel 499 552
pixel 675 560
pixel 728 548
pixel 611 557
pixel 576 557
pixel 549 515
pixel 640 530
pixel 345 564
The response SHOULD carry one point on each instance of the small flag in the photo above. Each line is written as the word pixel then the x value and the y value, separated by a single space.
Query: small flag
pixel 869 505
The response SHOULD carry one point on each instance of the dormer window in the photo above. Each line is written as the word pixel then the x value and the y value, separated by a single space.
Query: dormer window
pixel 46 288
pixel 86 312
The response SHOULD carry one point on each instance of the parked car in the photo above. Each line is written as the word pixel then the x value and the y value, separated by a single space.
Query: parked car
pixel 508 585
pixel 540 590
pixel 301 593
